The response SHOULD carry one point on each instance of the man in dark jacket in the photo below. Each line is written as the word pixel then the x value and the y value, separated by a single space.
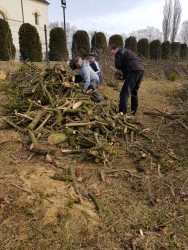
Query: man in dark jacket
pixel 128 62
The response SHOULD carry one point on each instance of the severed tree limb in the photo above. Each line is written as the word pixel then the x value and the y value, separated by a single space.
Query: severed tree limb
pixel 43 123
pixel 79 124
pixel 23 189
pixel 41 149
pixel 32 137
pixel 37 118
pixel 14 125
pixel 23 116
pixel 95 201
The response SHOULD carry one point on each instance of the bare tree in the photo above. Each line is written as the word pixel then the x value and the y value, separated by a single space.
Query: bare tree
pixel 53 25
pixel 167 19
pixel 151 33
pixel 184 32
pixel 176 19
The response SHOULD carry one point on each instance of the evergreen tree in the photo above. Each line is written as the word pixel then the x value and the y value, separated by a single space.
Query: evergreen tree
pixel 30 45
pixel 155 50
pixel 7 48
pixel 175 50
pixel 166 50
pixel 58 45
pixel 131 43
pixel 117 40
pixel 183 51
pixel 98 42
pixel 143 48
pixel 80 44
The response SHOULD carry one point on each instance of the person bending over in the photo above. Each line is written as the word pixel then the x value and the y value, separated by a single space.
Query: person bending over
pixel 133 70
pixel 90 78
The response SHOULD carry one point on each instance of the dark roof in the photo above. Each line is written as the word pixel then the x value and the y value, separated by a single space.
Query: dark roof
pixel 43 1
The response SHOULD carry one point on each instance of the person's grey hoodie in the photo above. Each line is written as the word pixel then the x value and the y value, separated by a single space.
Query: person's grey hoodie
pixel 90 77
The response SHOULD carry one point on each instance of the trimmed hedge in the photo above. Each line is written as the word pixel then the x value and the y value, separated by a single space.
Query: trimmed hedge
pixel 80 44
pixel 131 43
pixel 183 51
pixel 175 49
pixel 143 48
pixel 155 50
pixel 30 45
pixel 98 41
pixel 166 50
pixel 7 48
pixel 58 45
pixel 117 40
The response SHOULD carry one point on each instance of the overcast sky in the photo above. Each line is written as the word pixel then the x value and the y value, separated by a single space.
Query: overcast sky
pixel 112 17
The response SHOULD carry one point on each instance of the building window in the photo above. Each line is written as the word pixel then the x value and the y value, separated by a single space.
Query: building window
pixel 2 15
pixel 36 18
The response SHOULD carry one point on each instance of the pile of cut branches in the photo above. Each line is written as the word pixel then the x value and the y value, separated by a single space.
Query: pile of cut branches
pixel 56 115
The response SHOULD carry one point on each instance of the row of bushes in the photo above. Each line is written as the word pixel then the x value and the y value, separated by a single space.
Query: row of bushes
pixel 30 45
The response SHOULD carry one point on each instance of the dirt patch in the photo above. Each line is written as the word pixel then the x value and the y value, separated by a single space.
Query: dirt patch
pixel 142 199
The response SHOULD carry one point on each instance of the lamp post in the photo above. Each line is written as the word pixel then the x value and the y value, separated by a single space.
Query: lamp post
pixel 63 5
pixel 22 11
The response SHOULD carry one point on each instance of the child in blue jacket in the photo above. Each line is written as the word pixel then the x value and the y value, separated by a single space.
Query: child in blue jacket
pixel 95 66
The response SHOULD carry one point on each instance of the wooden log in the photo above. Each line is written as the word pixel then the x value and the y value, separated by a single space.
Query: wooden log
pixel 58 117
pixel 73 175
pixel 109 121
pixel 57 138
pixel 43 123
pixel 79 124
pixel 59 69
pixel 95 201
pixel 72 111
pixel 62 177
pixel 32 137
pixel 70 133
pixel 37 118
pixel 6 119
pixel 77 105
pixel 85 142
pixel 101 151
pixel 40 149
pixel 23 116
pixel 107 133
pixel 48 95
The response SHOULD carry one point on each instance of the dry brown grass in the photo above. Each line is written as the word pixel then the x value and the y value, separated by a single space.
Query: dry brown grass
pixel 142 207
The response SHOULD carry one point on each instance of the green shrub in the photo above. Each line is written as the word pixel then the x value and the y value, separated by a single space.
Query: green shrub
pixel 131 43
pixel 175 49
pixel 166 50
pixel 183 51
pixel 155 50
pixel 80 44
pixel 30 45
pixel 7 48
pixel 58 45
pixel 143 48
pixel 172 76
pixel 98 41
pixel 117 40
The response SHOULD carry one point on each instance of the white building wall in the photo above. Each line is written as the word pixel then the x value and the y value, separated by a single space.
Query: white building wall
pixel 13 14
